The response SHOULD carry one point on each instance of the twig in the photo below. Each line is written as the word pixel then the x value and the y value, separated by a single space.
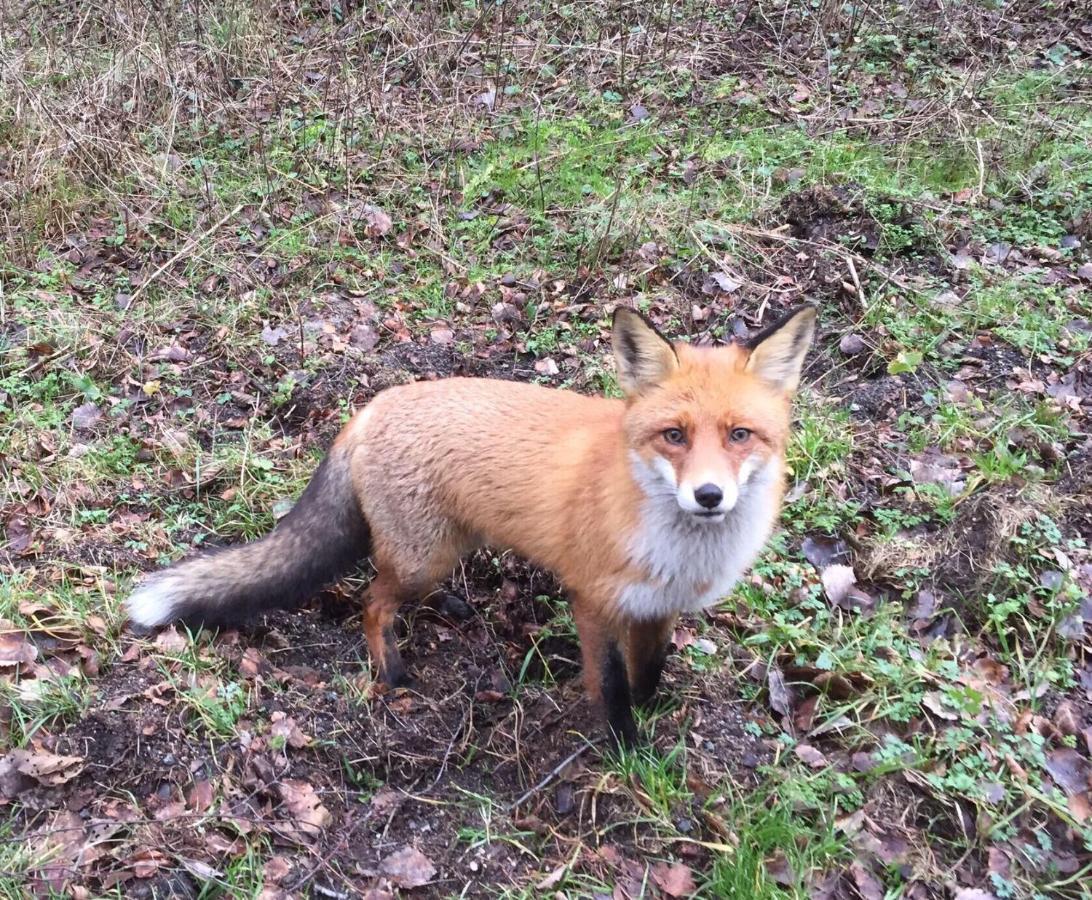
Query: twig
pixel 551 776
pixel 857 283
pixel 189 245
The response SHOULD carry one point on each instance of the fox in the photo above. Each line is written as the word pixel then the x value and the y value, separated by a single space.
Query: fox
pixel 645 507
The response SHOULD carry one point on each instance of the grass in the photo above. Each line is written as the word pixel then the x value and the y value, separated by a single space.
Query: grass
pixel 178 190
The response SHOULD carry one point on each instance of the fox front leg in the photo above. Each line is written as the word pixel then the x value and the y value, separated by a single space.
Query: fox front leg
pixel 605 678
pixel 647 645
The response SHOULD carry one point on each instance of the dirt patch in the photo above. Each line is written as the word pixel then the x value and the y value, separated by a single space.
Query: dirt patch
pixel 479 723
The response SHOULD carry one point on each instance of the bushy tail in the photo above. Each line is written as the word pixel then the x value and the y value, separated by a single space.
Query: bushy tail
pixel 323 537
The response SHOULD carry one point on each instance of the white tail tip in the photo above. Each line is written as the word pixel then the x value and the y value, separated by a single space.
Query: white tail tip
pixel 153 603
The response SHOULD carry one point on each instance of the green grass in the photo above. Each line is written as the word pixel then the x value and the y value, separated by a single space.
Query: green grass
pixel 250 184
pixel 772 834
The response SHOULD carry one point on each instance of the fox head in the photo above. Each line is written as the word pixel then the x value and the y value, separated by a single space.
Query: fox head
pixel 706 424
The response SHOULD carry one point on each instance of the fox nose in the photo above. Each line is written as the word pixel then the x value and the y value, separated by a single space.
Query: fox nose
pixel 708 495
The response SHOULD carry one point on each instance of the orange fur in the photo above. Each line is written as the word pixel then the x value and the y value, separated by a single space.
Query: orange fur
pixel 643 507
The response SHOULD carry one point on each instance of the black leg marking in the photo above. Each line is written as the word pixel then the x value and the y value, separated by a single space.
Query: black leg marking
pixel 648 679
pixel 616 698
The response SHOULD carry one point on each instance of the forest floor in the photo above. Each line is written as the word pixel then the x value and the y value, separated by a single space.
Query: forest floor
pixel 226 225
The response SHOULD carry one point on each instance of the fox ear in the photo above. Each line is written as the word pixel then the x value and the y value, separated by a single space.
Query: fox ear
pixel 777 352
pixel 644 356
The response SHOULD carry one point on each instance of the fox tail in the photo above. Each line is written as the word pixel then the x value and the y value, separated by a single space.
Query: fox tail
pixel 322 538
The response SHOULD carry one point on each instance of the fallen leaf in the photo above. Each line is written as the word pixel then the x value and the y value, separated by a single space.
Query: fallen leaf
pixel 779 868
pixel 58 845
pixel 286 727
pixel 822 551
pixel 47 768
pixel 553 879
pixel 851 344
pixel 809 755
pixel 202 871
pixel 16 650
pixel 145 863
pixel 546 367
pixel 804 717
pixel 1067 719
pixel 933 467
pixel 838 581
pixel 1070 771
pixel 170 811
pixel 378 222
pixel 86 416
pixel 674 880
pixel 683 637
pixel 408 868
pixel 1071 628
pixel 934 702
pixel 997 253
pixel 170 640
pixel 276 869
pixel 441 335
pixel 780 695
pixel 840 587
pixel 925 605
pixel 273 336
pixel 308 814
pixel 200 795
pixel 868 885
pixel 721 281
pixel 973 894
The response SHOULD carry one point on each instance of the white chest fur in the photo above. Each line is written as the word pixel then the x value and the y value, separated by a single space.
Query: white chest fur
pixel 692 564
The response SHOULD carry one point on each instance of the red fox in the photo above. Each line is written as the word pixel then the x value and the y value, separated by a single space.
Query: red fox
pixel 644 507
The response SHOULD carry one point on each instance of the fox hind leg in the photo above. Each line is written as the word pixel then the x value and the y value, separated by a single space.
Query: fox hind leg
pixel 393 586
pixel 384 596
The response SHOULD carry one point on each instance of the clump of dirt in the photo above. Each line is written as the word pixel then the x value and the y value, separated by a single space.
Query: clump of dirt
pixel 961 557
pixel 821 213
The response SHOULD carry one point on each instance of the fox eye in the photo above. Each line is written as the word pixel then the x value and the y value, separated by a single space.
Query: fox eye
pixel 739 435
pixel 674 436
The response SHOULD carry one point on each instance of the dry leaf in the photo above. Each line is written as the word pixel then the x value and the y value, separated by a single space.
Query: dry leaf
pixel 379 223
pixel 868 885
pixel 1070 771
pixel 286 727
pixel 1067 720
pixel 408 868
pixel 200 796
pixel 553 879
pixel 441 335
pixel 934 702
pixel 779 868
pixel 838 581
pixel 170 640
pixel 1080 807
pixel 674 880
pixel 780 695
pixel 809 755
pixel 308 814
pixel 276 869
pixel 47 768
pixel 16 650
